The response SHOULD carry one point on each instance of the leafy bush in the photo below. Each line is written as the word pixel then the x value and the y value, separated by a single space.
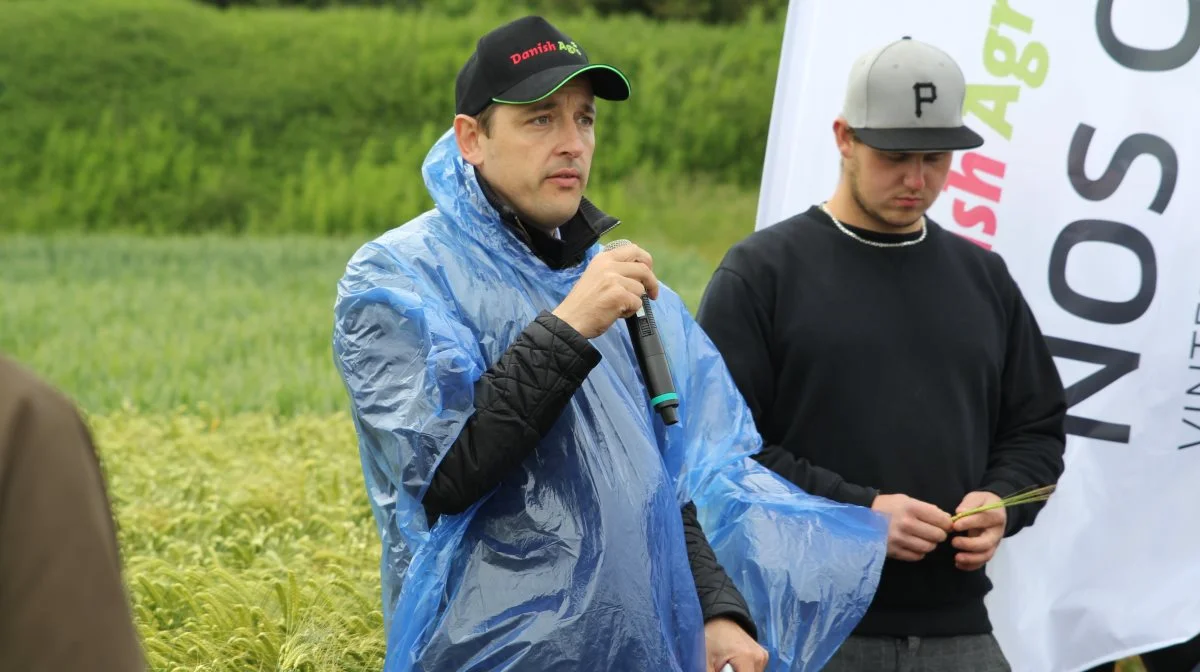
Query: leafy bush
pixel 170 116
pixel 713 11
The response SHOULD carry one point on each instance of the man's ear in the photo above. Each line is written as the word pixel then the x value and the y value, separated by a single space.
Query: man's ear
pixel 469 135
pixel 844 137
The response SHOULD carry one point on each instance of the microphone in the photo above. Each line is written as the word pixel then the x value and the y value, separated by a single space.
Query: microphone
pixel 651 356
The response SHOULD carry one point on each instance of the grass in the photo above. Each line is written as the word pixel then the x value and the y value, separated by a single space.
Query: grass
pixel 171 116
pixel 248 541
pixel 220 323
pixel 1027 496
pixel 157 324
pixel 203 365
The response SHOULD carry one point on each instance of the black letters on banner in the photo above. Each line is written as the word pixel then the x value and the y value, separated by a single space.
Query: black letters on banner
pixel 1096 310
pixel 1129 149
pixel 1149 60
pixel 1115 363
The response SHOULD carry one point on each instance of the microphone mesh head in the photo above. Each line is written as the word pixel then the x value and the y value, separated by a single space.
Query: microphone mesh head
pixel 617 243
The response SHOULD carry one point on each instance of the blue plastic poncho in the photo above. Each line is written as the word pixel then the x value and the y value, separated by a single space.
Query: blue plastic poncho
pixel 577 561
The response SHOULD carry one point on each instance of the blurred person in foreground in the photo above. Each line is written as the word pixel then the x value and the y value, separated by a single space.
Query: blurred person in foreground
pixel 63 605
pixel 535 514
pixel 892 364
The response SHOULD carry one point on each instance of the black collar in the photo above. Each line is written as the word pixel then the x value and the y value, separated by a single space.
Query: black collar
pixel 576 236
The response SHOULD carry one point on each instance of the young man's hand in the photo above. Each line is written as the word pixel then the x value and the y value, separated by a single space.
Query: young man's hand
pixel 984 531
pixel 727 643
pixel 914 527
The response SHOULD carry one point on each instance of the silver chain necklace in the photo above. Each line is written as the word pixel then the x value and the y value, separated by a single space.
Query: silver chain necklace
pixel 875 243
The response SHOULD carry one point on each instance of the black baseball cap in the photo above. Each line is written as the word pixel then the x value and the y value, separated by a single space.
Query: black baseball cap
pixel 525 61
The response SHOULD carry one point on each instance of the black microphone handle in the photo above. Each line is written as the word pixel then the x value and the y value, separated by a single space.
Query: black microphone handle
pixel 652 357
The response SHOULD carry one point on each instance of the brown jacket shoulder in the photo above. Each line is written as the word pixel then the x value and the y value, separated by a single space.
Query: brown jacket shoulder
pixel 63 605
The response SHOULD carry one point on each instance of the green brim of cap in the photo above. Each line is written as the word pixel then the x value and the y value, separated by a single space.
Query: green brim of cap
pixel 608 83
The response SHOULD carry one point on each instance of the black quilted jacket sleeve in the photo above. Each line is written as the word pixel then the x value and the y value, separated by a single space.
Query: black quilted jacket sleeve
pixel 516 402
pixel 718 596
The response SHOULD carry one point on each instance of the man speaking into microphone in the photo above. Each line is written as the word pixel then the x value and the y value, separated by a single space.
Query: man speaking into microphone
pixel 543 427
pixel 516 480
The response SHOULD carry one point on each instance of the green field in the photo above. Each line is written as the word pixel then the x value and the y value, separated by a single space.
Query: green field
pixel 204 366
pixel 247 540
pixel 214 324
pixel 170 116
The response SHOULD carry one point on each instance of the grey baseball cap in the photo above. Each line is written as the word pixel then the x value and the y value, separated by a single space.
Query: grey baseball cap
pixel 907 96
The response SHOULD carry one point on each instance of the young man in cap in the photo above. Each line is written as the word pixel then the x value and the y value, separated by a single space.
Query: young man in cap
pixel 892 364
pixel 527 517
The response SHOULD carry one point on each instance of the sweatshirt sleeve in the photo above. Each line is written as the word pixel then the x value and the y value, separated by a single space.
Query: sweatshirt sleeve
pixel 1030 438
pixel 738 322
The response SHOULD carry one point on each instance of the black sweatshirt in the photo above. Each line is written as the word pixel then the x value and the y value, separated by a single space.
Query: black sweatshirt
pixel 520 397
pixel 915 370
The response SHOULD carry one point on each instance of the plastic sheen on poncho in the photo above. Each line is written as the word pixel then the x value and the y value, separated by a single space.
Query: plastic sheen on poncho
pixel 577 560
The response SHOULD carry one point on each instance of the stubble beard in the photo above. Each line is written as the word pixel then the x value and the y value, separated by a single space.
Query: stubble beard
pixel 874 214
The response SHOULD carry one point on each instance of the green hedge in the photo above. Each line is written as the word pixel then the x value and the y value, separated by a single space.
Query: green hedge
pixel 712 11
pixel 168 115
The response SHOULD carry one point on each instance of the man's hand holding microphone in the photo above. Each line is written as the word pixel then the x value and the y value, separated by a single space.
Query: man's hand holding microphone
pixel 611 288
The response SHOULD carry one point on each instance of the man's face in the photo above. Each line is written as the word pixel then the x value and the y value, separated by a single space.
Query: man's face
pixel 894 188
pixel 538 156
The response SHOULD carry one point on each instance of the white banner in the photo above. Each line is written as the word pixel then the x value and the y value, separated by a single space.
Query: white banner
pixel 1087 186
